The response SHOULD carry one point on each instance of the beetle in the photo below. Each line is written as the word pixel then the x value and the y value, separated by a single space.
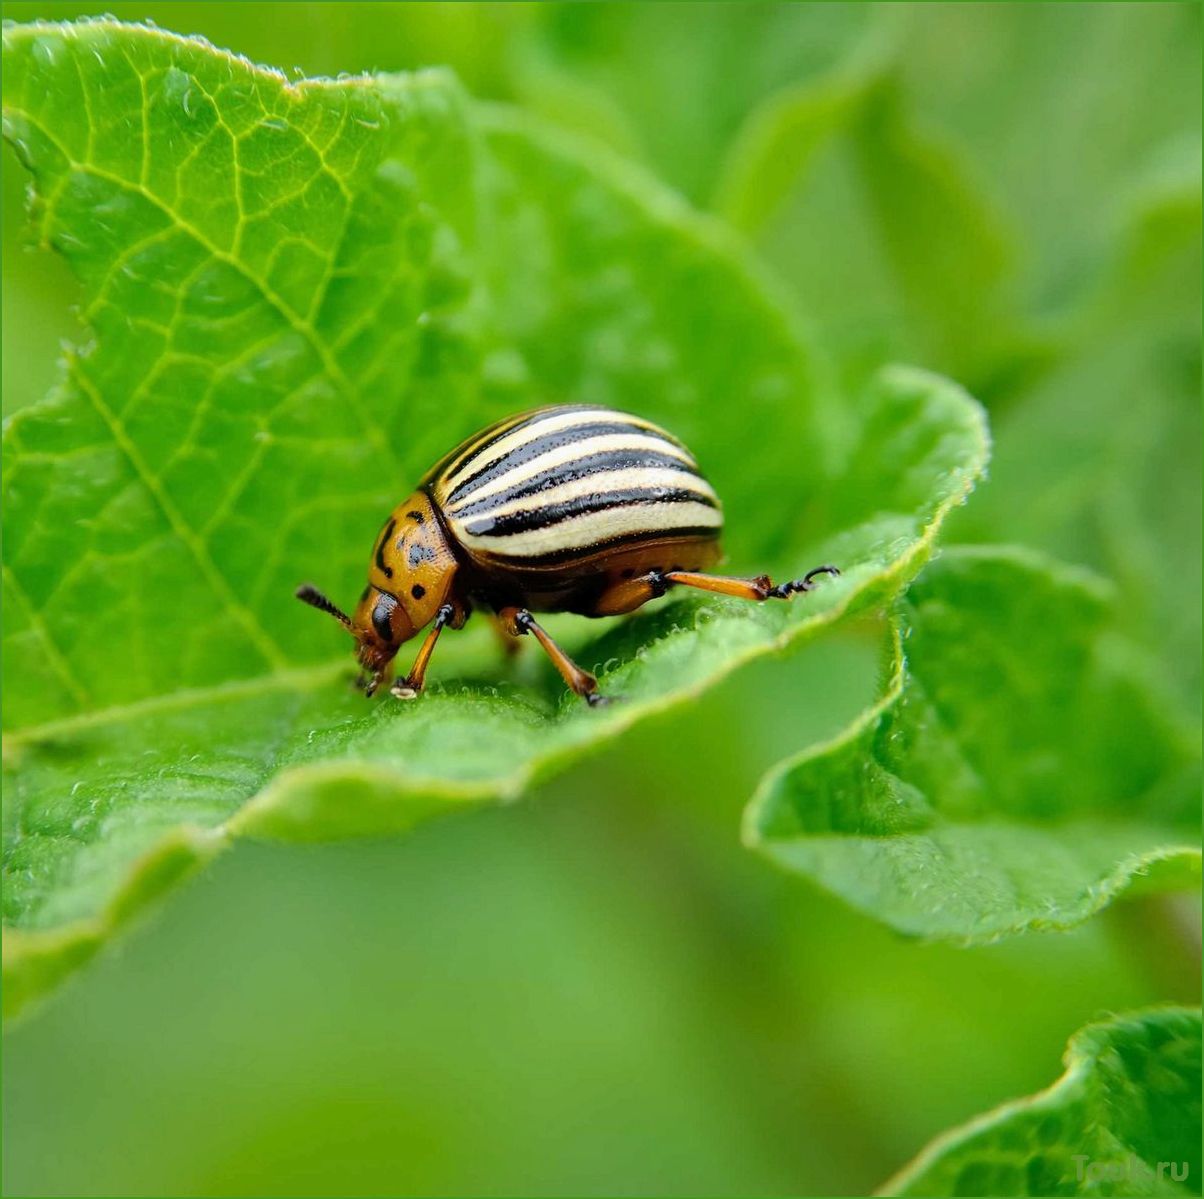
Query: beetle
pixel 569 508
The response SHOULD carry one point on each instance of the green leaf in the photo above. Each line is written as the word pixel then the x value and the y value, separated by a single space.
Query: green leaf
pixel 301 295
pixel 1060 147
pixel 1124 1119
pixel 1015 775
pixel 603 68
pixel 915 259
pixel 1101 462
pixel 778 144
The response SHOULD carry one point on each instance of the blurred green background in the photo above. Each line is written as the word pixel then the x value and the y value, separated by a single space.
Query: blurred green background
pixel 597 990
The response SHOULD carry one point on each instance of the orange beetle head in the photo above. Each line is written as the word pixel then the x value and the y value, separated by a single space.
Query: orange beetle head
pixel 408 581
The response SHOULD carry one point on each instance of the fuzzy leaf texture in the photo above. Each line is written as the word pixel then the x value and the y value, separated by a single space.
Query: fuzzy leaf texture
pixel 302 294
pixel 1124 1119
pixel 1017 773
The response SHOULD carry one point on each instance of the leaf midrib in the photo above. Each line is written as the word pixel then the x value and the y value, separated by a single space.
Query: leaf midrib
pixel 307 678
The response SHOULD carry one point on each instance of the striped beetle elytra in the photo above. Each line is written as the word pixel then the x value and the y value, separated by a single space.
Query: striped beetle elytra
pixel 571 508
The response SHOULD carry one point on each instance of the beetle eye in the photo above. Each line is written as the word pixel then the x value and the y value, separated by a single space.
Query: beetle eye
pixel 381 615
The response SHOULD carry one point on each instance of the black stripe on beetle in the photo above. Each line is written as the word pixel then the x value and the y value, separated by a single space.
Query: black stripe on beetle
pixel 477 445
pixel 571 555
pixel 534 448
pixel 544 515
pixel 580 468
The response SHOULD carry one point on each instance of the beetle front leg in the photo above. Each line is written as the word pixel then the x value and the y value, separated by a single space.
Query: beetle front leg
pixel 518 622
pixel 411 685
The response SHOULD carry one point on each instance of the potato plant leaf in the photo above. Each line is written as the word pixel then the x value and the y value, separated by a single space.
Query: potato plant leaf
pixel 1124 1119
pixel 934 278
pixel 1106 450
pixel 1016 774
pixel 301 294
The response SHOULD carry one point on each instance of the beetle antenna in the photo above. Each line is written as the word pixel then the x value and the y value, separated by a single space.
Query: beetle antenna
pixel 307 593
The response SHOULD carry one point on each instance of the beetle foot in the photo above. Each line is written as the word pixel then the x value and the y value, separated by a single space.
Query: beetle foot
pixel 403 689
pixel 806 583
pixel 820 570
pixel 786 590
pixel 596 699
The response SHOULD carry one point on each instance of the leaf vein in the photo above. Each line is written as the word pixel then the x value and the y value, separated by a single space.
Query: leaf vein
pixel 258 635
pixel 273 299
pixel 54 655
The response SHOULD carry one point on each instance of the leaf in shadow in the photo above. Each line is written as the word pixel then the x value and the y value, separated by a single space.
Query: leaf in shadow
pixel 1016 774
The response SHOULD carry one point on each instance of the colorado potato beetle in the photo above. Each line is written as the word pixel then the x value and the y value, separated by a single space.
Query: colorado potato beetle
pixel 570 508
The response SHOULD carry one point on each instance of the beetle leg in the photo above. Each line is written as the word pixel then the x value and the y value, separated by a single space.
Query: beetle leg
pixel 806 583
pixel 760 588
pixel 518 622
pixel 411 685
pixel 510 644
pixel 629 594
